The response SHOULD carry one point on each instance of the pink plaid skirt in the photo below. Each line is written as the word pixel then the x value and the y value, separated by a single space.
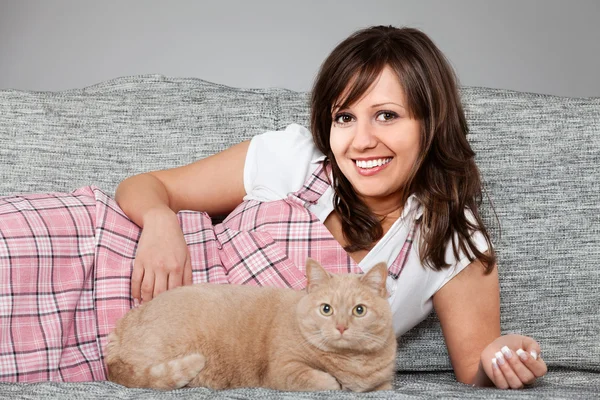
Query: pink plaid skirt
pixel 66 262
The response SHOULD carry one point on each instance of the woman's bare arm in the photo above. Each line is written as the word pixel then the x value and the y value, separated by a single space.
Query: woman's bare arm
pixel 468 307
pixel 214 184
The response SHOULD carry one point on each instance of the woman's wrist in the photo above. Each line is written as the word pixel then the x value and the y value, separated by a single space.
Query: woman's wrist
pixel 143 197
pixel 157 212
pixel 481 379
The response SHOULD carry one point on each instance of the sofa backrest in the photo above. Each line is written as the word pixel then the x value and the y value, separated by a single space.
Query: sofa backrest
pixel 538 156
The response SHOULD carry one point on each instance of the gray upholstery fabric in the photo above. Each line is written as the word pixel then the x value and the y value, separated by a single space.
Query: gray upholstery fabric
pixel 558 384
pixel 102 134
pixel 538 156
pixel 540 160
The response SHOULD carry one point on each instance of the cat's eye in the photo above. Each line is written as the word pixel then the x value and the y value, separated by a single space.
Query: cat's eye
pixel 326 309
pixel 359 310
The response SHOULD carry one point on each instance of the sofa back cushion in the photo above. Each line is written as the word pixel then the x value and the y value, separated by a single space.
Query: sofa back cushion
pixel 538 156
pixel 58 141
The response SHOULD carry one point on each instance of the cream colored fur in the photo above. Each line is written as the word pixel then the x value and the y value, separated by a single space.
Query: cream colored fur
pixel 228 336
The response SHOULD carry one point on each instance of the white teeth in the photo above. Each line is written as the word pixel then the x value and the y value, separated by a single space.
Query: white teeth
pixel 372 163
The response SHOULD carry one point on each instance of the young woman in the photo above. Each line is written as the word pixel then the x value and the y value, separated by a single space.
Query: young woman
pixel 387 174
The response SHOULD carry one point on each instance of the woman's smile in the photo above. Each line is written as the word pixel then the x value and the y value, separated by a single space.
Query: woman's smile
pixel 371 166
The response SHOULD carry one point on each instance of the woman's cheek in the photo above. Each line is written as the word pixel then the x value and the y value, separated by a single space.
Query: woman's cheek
pixel 336 143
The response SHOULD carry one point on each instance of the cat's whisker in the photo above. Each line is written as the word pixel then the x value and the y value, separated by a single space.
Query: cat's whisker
pixel 321 344
pixel 313 338
pixel 371 338
pixel 306 341
pixel 318 339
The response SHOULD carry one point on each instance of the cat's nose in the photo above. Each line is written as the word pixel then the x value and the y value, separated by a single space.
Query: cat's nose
pixel 341 328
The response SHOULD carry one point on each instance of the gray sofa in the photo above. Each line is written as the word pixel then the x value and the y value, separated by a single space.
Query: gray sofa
pixel 539 159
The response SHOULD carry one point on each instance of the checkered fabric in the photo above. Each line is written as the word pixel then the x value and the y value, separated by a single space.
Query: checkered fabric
pixel 66 260
pixel 49 286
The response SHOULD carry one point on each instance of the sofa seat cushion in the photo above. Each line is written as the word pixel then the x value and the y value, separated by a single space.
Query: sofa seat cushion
pixel 563 384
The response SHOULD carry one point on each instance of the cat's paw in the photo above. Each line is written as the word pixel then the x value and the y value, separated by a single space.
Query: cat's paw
pixel 177 373
pixel 324 381
pixel 187 368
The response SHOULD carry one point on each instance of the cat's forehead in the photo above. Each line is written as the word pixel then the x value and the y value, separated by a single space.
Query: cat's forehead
pixel 347 287
pixel 348 281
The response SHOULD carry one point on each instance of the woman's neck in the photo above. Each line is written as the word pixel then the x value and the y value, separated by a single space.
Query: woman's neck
pixel 389 208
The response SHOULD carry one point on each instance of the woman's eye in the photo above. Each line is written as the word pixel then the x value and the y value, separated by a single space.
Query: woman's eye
pixel 386 116
pixel 359 310
pixel 343 119
pixel 326 310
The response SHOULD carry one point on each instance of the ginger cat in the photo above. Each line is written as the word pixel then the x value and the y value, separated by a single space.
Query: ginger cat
pixel 337 334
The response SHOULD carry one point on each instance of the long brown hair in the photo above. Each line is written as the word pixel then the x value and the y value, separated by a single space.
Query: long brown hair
pixel 445 178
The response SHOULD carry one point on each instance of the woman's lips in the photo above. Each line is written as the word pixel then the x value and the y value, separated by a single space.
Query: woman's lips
pixel 371 166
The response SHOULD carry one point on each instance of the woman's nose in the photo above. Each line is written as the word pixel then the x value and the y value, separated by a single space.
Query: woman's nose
pixel 364 136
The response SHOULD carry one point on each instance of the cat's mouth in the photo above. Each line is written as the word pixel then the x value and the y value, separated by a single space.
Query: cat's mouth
pixel 343 340
pixel 333 340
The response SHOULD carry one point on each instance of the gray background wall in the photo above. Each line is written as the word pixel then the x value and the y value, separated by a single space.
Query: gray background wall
pixel 544 46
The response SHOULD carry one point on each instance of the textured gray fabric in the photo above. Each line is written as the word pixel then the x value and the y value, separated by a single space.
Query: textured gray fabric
pixel 538 155
pixel 104 133
pixel 557 384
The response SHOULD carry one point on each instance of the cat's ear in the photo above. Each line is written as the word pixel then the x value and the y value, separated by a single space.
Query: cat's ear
pixel 316 275
pixel 376 278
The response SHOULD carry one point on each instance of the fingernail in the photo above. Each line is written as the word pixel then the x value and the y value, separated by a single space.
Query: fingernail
pixel 506 351
pixel 522 355
pixel 494 363
pixel 500 358
pixel 534 354
pixel 136 302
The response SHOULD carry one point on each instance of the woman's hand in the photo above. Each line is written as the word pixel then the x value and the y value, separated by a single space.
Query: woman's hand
pixel 162 261
pixel 512 361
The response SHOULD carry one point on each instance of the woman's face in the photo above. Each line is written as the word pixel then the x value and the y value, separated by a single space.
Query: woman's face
pixel 376 143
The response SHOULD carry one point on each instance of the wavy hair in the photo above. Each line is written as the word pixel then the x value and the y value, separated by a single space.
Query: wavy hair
pixel 444 178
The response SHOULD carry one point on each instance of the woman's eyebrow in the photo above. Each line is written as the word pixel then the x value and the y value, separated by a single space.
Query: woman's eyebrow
pixel 386 103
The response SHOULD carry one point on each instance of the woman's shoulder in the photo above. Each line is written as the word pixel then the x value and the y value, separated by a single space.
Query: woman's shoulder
pixel 456 256
pixel 279 162
pixel 292 138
